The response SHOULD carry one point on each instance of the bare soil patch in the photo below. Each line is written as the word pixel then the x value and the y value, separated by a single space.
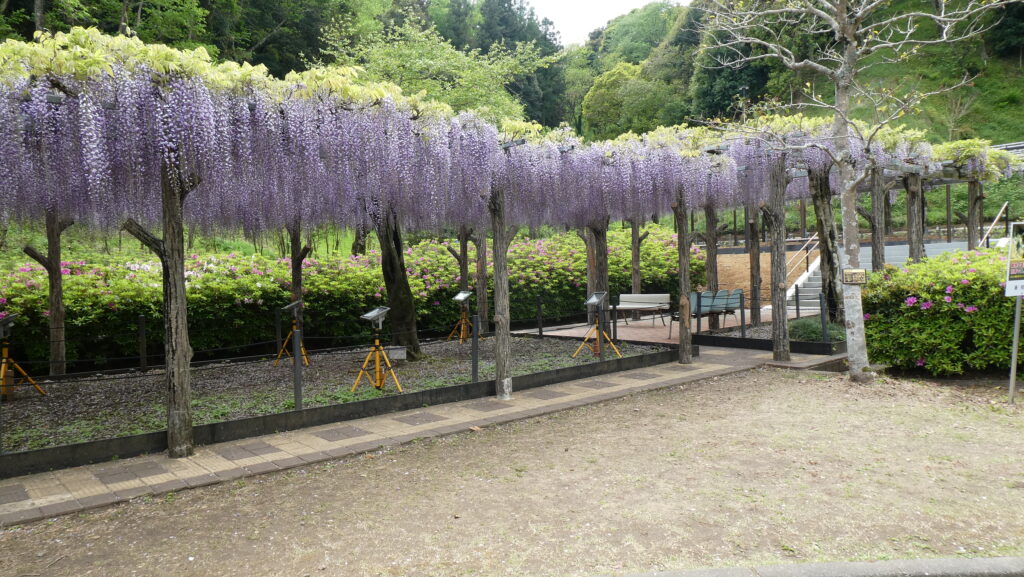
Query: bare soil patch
pixel 767 466
pixel 734 271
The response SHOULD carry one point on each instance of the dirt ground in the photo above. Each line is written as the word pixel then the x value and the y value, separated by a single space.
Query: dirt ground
pixel 768 466
pixel 734 271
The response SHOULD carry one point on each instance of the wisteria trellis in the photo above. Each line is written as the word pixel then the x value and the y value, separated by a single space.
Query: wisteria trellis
pixel 101 138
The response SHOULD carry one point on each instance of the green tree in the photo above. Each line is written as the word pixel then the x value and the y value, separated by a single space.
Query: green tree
pixel 1007 36
pixel 421 60
pixel 621 101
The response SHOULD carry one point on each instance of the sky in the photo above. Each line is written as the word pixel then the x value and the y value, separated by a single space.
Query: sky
pixel 575 19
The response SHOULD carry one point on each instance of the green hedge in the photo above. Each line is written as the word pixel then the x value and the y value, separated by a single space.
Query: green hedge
pixel 945 315
pixel 232 298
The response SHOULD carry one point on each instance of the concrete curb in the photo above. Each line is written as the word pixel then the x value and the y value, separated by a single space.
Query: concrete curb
pixel 955 567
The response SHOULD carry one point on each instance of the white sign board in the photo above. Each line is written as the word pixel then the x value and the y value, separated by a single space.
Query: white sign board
pixel 1015 261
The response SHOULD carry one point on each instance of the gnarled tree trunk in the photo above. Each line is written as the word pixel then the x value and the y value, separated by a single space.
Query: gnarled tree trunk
pixel 298 254
pixel 775 217
pixel 683 249
pixel 396 281
pixel 55 227
pixel 503 236
pixel 915 222
pixel 754 252
pixel 177 349
pixel 598 246
pixel 711 255
pixel 879 208
pixel 975 196
pixel 482 301
pixel 828 242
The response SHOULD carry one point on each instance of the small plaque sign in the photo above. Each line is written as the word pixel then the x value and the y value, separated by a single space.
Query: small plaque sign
pixel 1015 261
pixel 855 276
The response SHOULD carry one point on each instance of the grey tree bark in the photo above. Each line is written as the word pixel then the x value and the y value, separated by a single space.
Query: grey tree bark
pixel 396 281
pixel 754 252
pixel 55 227
pixel 878 222
pixel 177 349
pixel 775 217
pixel 975 196
pixel 503 236
pixel 915 222
pixel 828 243
pixel 482 301
pixel 299 252
pixel 683 248
pixel 462 257
pixel 39 14
pixel 711 254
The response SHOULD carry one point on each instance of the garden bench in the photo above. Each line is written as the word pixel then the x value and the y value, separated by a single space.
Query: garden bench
pixel 709 303
pixel 658 303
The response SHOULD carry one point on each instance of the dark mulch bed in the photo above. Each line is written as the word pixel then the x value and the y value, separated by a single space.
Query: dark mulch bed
pixel 116 405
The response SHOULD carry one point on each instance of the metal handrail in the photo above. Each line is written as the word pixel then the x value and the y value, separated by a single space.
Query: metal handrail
pixel 808 247
pixel 994 223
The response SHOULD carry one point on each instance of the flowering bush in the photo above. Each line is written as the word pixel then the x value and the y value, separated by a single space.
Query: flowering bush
pixel 232 298
pixel 945 315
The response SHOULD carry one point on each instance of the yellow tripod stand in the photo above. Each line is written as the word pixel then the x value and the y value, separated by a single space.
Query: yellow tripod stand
pixel 599 335
pixel 463 328
pixel 284 347
pixel 8 367
pixel 380 372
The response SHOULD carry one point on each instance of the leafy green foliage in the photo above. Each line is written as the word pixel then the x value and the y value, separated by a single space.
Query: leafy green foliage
pixel 945 315
pixel 231 298
pixel 808 329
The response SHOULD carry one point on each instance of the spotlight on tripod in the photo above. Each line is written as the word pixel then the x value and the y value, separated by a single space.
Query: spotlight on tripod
pixel 11 373
pixel 377 354
pixel 464 327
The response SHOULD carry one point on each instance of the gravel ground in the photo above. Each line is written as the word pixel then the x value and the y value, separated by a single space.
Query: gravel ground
pixel 760 467
pixel 116 405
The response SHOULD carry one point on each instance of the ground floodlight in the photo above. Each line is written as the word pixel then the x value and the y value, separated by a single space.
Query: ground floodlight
pixel 596 299
pixel 291 307
pixel 376 316
pixel 5 325
pixel 463 296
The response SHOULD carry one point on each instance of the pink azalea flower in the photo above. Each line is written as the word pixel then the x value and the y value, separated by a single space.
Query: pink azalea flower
pixel 970 309
pixel 948 299
pixel 926 305
pixel 920 362
pixel 949 289
pixel 964 281
pixel 911 301
pixel 867 316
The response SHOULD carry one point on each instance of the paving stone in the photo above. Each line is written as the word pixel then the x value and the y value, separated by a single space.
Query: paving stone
pixel 98 500
pixel 420 418
pixel 112 476
pixel 230 474
pixel 341 433
pixel 233 452
pixel 259 447
pixel 488 405
pixel 146 469
pixel 62 508
pixel 18 517
pixel 639 376
pixel 265 467
pixel 133 492
pixel 288 462
pixel 544 394
pixel 13 494
pixel 201 480
pixel 597 384
pixel 168 486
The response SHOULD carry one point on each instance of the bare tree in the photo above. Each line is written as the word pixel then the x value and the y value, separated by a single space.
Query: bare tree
pixel 861 33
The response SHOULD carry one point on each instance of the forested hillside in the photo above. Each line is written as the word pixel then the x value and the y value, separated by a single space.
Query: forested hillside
pixel 643 69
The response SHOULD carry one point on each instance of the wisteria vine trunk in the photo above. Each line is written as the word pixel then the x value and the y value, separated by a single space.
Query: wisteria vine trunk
pixel 828 242
pixel 683 249
pixel 482 301
pixel 775 217
pixel 879 204
pixel 975 196
pixel 598 233
pixel 711 253
pixel 753 214
pixel 177 349
pixel 55 227
pixel 636 239
pixel 396 280
pixel 298 255
pixel 915 213
pixel 503 236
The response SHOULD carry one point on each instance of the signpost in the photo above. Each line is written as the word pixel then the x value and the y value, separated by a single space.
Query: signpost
pixel 1015 289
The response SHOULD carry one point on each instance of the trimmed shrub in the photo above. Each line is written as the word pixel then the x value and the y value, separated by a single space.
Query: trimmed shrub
pixel 232 298
pixel 945 315
pixel 808 329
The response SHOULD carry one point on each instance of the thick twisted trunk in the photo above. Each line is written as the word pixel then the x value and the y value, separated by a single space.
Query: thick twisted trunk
pixel 775 218
pixel 915 220
pixel 177 349
pixel 683 248
pixel 482 301
pixel 754 252
pixel 55 227
pixel 828 242
pixel 975 196
pixel 879 207
pixel 396 280
pixel 503 236
pixel 711 255
pixel 636 239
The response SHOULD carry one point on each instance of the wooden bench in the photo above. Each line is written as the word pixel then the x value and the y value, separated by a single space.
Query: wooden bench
pixel 658 303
